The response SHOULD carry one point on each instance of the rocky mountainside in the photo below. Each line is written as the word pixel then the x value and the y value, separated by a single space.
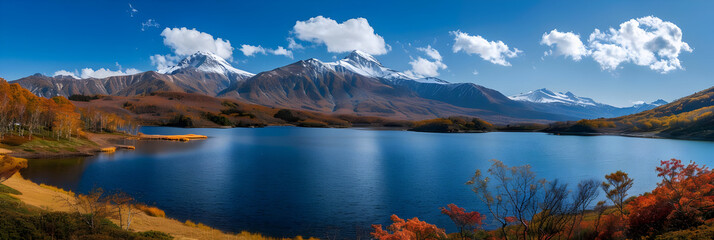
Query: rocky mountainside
pixel 201 72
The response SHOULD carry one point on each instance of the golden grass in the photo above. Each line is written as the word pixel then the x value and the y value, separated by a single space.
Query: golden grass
pixel 182 138
pixel 128 147
pixel 151 211
pixel 108 149
pixel 56 189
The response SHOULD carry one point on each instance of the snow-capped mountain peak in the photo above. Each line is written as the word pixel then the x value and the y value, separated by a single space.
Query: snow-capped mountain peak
pixel 362 58
pixel 366 65
pixel 546 96
pixel 659 102
pixel 207 62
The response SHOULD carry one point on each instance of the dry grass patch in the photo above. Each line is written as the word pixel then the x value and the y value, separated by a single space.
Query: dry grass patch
pixel 151 211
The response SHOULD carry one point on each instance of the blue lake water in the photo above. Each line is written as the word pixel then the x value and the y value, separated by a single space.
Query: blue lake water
pixel 288 181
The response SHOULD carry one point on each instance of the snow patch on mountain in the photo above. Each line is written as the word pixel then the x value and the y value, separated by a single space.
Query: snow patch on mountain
pixel 366 65
pixel 207 62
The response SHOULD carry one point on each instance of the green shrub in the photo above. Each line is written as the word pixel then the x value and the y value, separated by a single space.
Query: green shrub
pixel 217 119
pixel 180 121
pixel 287 115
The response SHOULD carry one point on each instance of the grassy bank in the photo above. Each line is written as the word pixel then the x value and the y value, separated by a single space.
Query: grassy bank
pixel 27 200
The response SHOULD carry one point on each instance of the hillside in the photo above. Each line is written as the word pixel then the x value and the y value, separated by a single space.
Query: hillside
pixel 690 117
pixel 197 110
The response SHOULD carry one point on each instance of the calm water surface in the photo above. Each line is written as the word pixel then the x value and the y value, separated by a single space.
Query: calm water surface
pixel 287 181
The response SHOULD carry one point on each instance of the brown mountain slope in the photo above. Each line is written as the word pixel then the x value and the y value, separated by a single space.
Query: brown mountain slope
pixel 190 81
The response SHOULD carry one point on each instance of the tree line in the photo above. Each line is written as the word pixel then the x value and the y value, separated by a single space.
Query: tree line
pixel 24 114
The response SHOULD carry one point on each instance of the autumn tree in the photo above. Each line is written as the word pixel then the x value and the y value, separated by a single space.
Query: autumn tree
pixel 683 199
pixel 616 186
pixel 93 205
pixel 123 204
pixel 412 229
pixel 541 209
pixel 466 222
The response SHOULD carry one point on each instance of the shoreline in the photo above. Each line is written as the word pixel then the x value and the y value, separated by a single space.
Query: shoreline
pixel 53 200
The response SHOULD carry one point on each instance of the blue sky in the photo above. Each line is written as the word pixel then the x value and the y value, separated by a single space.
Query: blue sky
pixel 47 36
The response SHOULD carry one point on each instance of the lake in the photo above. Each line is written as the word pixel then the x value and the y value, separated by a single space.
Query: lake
pixel 288 181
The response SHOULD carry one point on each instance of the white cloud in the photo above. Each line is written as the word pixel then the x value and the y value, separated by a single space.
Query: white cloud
pixel 638 102
pixel 353 34
pixel 149 24
pixel 293 45
pixel 132 10
pixel 65 73
pixel 494 52
pixel 647 41
pixel 426 68
pixel 103 72
pixel 432 53
pixel 186 41
pixel 565 44
pixel 99 73
pixel 475 72
pixel 282 51
pixel 250 50
pixel 164 61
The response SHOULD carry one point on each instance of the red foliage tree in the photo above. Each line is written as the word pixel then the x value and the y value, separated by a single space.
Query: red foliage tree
pixel 463 220
pixel 412 229
pixel 684 199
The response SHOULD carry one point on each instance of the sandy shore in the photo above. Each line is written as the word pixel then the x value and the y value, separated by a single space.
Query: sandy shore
pixel 51 200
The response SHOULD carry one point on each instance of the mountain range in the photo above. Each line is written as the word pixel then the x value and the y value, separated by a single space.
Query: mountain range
pixel 582 107
pixel 357 84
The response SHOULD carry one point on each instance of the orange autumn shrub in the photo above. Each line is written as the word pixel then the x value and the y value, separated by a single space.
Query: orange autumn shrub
pixel 151 211
pixel 412 229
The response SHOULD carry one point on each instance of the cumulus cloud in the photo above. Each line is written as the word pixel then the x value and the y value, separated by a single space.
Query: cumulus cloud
pixel 186 41
pixel 149 24
pixel 494 52
pixel 250 50
pixel 647 41
pixel 566 44
pixel 65 73
pixel 424 67
pixel 164 61
pixel 282 51
pixel 353 34
pixel 294 45
pixel 99 73
pixel 432 53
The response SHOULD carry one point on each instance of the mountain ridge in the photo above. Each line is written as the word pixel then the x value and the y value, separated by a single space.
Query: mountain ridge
pixel 356 84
